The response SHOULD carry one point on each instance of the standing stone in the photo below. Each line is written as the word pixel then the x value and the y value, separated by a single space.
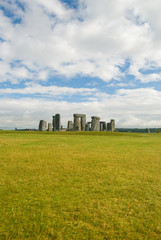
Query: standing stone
pixel 53 122
pixel 49 127
pixel 112 125
pixel 70 126
pixel 88 126
pixel 83 123
pixel 103 126
pixel 77 125
pixel 108 126
pixel 56 122
pixel 95 124
pixel 79 122
pixel 42 125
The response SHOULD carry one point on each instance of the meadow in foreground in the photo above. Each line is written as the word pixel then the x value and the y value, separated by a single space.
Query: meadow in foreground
pixel 68 186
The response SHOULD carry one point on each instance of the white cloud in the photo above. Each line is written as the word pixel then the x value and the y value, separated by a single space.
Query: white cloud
pixel 108 34
pixel 143 112
pixel 94 40
pixel 49 90
pixel 57 8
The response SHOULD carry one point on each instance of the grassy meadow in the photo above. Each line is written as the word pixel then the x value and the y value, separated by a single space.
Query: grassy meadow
pixel 80 185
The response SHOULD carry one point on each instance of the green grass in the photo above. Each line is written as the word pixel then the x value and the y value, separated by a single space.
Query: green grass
pixel 80 185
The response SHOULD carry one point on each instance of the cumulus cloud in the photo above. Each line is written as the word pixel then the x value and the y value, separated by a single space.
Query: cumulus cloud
pixel 49 90
pixel 93 39
pixel 143 112
pixel 40 40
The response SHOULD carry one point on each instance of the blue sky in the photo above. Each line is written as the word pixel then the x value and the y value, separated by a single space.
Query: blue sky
pixel 81 56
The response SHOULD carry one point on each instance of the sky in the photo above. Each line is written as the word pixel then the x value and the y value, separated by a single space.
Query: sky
pixel 95 57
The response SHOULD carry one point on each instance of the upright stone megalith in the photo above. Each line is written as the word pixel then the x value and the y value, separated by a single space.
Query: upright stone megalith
pixel 42 125
pixel 49 127
pixel 112 125
pixel 103 126
pixel 108 126
pixel 70 126
pixel 77 125
pixel 88 126
pixel 53 123
pixel 79 122
pixel 95 126
pixel 56 122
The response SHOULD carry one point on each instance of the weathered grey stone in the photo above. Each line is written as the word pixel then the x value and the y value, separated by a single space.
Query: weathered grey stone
pixel 70 126
pixel 108 126
pixel 79 115
pixel 56 122
pixel 112 125
pixel 79 122
pixel 83 123
pixel 103 126
pixel 53 122
pixel 49 127
pixel 42 125
pixel 94 117
pixel 95 126
pixel 88 126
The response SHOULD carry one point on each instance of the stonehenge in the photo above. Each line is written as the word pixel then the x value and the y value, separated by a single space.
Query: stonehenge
pixel 56 122
pixel 95 125
pixel 78 124
pixel 88 126
pixel 111 126
pixel 103 126
pixel 42 125
pixel 70 126
pixel 49 127
pixel 112 123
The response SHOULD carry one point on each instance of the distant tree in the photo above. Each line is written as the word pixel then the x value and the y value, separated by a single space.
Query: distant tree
pixel 157 131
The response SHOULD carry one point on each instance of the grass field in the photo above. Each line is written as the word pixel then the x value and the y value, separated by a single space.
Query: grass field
pixel 90 186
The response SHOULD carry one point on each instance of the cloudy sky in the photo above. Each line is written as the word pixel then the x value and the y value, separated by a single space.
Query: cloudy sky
pixel 98 57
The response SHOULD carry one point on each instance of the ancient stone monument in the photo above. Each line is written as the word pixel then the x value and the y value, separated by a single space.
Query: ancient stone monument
pixel 111 125
pixel 103 126
pixel 95 125
pixel 88 126
pixel 79 122
pixel 42 125
pixel 70 126
pixel 108 126
pixel 49 127
pixel 56 122
pixel 78 125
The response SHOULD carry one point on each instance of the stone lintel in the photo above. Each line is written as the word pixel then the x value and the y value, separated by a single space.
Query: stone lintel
pixel 77 115
pixel 94 117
